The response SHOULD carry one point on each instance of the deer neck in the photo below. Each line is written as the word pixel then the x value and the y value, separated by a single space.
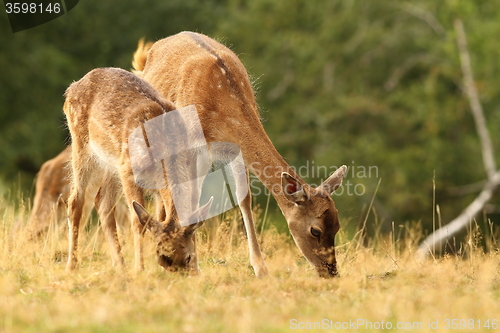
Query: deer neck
pixel 264 161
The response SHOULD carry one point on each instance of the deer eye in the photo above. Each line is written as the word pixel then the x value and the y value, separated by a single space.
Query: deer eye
pixel 188 259
pixel 315 232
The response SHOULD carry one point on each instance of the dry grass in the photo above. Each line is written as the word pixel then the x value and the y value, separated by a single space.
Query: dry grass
pixel 378 283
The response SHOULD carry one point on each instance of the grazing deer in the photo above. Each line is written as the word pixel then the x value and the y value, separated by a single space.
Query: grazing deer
pixel 190 68
pixel 102 110
pixel 51 194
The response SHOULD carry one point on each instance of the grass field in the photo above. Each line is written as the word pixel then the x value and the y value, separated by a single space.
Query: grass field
pixel 381 287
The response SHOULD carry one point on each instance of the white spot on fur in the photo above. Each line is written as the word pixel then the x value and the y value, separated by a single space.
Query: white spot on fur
pixel 234 121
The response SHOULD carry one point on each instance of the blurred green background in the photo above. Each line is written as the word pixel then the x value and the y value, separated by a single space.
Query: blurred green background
pixel 363 83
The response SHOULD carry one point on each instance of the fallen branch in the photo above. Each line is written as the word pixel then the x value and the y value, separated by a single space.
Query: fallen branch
pixel 439 237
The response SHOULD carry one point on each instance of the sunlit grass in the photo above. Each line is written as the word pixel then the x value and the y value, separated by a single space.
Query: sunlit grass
pixel 380 282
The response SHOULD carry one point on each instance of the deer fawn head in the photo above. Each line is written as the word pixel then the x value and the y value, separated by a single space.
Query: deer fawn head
pixel 313 220
pixel 175 244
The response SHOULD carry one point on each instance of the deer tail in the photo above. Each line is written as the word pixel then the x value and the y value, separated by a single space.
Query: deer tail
pixel 140 55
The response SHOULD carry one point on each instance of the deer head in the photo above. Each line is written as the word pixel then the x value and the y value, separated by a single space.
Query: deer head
pixel 175 244
pixel 313 219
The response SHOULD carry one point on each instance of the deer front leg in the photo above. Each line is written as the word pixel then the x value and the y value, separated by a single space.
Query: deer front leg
pixel 256 259
pixel 134 193
pixel 105 203
pixel 137 230
pixel 160 211
pixel 245 202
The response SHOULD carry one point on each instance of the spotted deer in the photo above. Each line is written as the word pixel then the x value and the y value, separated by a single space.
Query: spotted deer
pixel 102 110
pixel 191 68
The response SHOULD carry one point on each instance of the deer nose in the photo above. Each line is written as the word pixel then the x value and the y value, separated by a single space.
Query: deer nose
pixel 328 270
pixel 165 261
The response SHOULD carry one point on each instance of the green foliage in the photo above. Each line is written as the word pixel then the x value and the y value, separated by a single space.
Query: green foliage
pixel 39 64
pixel 362 83
pixel 374 83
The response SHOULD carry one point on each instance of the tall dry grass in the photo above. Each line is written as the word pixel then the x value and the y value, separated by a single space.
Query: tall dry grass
pixel 381 284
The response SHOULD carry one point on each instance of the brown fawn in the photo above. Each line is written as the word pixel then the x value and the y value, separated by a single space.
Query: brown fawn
pixel 191 68
pixel 102 110
pixel 51 194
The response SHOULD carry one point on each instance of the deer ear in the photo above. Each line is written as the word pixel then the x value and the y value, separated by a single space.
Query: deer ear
pixel 292 189
pixel 334 181
pixel 144 217
pixel 199 216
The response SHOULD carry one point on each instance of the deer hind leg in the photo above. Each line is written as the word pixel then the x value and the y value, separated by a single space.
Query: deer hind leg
pixel 133 192
pixel 244 198
pixel 82 177
pixel 105 204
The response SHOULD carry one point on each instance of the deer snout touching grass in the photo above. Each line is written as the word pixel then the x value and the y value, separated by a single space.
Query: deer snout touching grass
pixel 102 109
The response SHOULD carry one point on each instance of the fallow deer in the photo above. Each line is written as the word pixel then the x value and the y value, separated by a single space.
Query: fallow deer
pixel 51 197
pixel 191 68
pixel 51 194
pixel 102 110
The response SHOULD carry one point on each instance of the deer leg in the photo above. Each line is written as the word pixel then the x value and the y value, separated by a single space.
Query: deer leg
pixel 87 208
pixel 244 198
pixel 160 211
pixel 105 204
pixel 134 193
pixel 76 202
